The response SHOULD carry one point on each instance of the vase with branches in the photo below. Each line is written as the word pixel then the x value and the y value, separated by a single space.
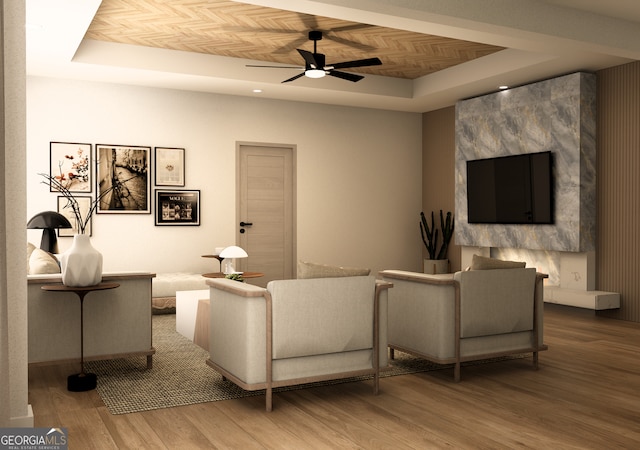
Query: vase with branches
pixel 81 222
pixel 81 265
pixel 430 236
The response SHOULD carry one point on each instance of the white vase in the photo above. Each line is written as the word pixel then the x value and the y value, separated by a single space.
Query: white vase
pixel 435 266
pixel 81 264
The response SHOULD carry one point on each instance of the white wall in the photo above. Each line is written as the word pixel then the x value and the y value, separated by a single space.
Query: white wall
pixel 358 171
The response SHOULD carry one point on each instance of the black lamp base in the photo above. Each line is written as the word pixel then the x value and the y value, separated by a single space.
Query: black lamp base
pixel 82 382
pixel 49 241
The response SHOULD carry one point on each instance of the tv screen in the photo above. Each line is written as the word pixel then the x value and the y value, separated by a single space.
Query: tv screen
pixel 514 189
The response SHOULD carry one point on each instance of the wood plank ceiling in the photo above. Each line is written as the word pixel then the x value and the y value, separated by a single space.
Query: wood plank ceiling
pixel 227 28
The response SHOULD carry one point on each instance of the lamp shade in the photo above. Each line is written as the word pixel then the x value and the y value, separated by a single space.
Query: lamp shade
pixel 229 253
pixel 233 252
pixel 49 221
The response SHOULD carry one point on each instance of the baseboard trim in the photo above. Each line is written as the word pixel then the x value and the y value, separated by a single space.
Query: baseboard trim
pixel 24 421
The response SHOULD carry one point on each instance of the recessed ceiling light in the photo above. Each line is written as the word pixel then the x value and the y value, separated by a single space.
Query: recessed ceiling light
pixel 503 87
pixel 257 91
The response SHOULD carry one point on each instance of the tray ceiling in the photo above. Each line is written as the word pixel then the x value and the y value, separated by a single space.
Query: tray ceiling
pixel 227 28
pixel 433 52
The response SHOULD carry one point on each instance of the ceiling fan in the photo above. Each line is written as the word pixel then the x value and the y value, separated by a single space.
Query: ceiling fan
pixel 316 67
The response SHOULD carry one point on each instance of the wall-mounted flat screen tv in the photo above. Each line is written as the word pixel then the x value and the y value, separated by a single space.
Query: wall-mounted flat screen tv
pixel 516 189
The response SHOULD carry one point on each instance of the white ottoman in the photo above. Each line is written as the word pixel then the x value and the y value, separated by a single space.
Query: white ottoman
pixel 186 309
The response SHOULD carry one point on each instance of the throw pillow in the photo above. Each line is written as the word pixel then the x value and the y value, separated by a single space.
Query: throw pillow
pixel 30 249
pixel 42 262
pixel 312 270
pixel 483 263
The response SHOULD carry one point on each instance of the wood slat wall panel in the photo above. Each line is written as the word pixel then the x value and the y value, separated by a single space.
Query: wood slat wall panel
pixel 618 175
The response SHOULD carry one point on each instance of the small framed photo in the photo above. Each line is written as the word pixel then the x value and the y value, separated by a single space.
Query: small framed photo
pixel 122 179
pixel 169 164
pixel 70 164
pixel 84 203
pixel 177 207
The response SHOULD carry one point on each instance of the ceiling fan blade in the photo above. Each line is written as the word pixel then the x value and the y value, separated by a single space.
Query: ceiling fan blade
pixel 276 67
pixel 345 76
pixel 252 30
pixel 309 58
pixel 294 78
pixel 357 63
pixel 354 26
pixel 353 44
pixel 309 21
pixel 291 46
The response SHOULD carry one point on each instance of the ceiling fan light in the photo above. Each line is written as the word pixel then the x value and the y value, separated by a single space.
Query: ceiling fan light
pixel 314 73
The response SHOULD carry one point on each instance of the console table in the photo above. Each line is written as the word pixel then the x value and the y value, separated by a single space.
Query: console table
pixel 82 381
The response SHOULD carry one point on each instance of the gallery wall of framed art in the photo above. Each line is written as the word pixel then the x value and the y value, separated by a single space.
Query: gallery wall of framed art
pixel 123 176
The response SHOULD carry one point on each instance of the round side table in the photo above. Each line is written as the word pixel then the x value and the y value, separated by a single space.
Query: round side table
pixel 216 257
pixel 244 275
pixel 82 381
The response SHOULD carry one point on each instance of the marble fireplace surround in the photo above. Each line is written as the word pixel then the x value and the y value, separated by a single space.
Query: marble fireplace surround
pixel 557 115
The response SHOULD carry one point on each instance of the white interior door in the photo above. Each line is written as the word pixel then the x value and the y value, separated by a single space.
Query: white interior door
pixel 266 210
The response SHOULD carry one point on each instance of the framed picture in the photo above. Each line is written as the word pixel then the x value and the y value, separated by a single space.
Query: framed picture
pixel 122 179
pixel 169 164
pixel 84 203
pixel 177 207
pixel 70 164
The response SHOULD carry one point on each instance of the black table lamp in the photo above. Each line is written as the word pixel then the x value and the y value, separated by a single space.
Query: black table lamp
pixel 49 221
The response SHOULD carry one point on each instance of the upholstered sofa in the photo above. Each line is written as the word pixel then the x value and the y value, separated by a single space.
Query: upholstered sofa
pixel 117 322
pixel 166 285
pixel 297 331
pixel 466 316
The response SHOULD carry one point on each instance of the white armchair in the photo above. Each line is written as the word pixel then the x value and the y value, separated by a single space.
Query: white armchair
pixel 466 316
pixel 297 331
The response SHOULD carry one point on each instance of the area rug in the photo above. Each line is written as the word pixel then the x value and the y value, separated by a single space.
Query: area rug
pixel 181 377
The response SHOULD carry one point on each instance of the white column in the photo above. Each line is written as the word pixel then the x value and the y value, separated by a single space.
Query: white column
pixel 15 410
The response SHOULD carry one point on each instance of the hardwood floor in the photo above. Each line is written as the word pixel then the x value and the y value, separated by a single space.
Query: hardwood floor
pixel 585 395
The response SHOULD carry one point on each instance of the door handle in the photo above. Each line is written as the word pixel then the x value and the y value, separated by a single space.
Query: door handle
pixel 245 224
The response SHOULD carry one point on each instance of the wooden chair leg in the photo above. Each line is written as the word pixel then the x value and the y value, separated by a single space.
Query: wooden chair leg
pixel 535 360
pixel 269 399
pixel 456 372
pixel 392 353
pixel 376 383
